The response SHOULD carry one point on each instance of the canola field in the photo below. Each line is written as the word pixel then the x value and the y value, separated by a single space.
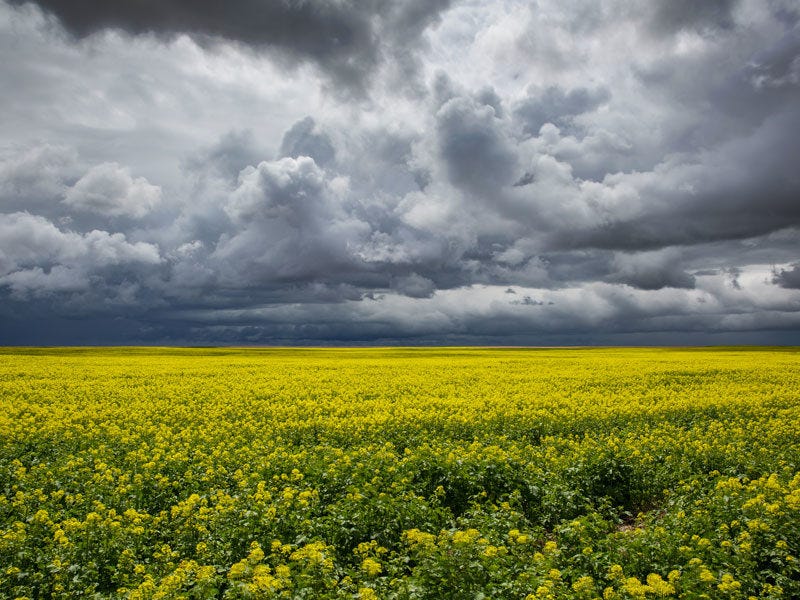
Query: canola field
pixel 400 473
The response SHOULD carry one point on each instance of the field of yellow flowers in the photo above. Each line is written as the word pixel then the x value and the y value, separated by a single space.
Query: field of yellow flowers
pixel 400 473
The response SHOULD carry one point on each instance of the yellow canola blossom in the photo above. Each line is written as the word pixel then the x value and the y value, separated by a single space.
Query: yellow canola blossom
pixel 145 473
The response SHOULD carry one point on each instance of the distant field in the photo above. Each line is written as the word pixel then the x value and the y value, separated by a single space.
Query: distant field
pixel 400 473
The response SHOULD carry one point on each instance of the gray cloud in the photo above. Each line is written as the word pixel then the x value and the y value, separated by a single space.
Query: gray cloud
pixel 303 139
pixel 475 153
pixel 778 66
pixel 234 151
pixel 554 105
pixel 39 259
pixel 347 40
pixel 109 189
pixel 651 270
pixel 290 226
pixel 736 191
pixel 28 239
pixel 788 278
pixel 36 176
pixel 670 16
pixel 628 170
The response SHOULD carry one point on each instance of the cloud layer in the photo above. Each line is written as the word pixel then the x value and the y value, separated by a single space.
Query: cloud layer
pixel 409 172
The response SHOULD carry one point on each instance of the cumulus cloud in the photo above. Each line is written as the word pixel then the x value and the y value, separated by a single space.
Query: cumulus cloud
pixel 288 188
pixel 37 255
pixel 290 224
pixel 108 189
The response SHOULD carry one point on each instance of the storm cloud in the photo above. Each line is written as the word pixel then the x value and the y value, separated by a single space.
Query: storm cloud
pixel 347 40
pixel 400 172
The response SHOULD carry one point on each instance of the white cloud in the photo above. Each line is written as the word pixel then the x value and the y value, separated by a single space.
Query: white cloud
pixel 108 189
pixel 35 253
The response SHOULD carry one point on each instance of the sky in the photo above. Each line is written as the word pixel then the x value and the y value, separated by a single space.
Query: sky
pixel 347 172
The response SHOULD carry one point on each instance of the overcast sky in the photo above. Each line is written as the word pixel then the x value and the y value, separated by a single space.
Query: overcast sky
pixel 413 171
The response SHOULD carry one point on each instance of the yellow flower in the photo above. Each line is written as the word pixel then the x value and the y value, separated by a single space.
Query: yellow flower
pixel 728 584
pixel 706 575
pixel 658 586
pixel 415 537
pixel 674 576
pixel 466 537
pixel 256 553
pixel 237 570
pixel 583 584
pixel 635 588
pixel 371 567
pixel 616 572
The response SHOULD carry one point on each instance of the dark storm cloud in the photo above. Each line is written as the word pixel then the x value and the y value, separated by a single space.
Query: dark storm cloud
pixel 629 170
pixel 347 39
pixel 736 191
pixel 670 16
pixel 788 278
pixel 476 155
pixel 651 270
